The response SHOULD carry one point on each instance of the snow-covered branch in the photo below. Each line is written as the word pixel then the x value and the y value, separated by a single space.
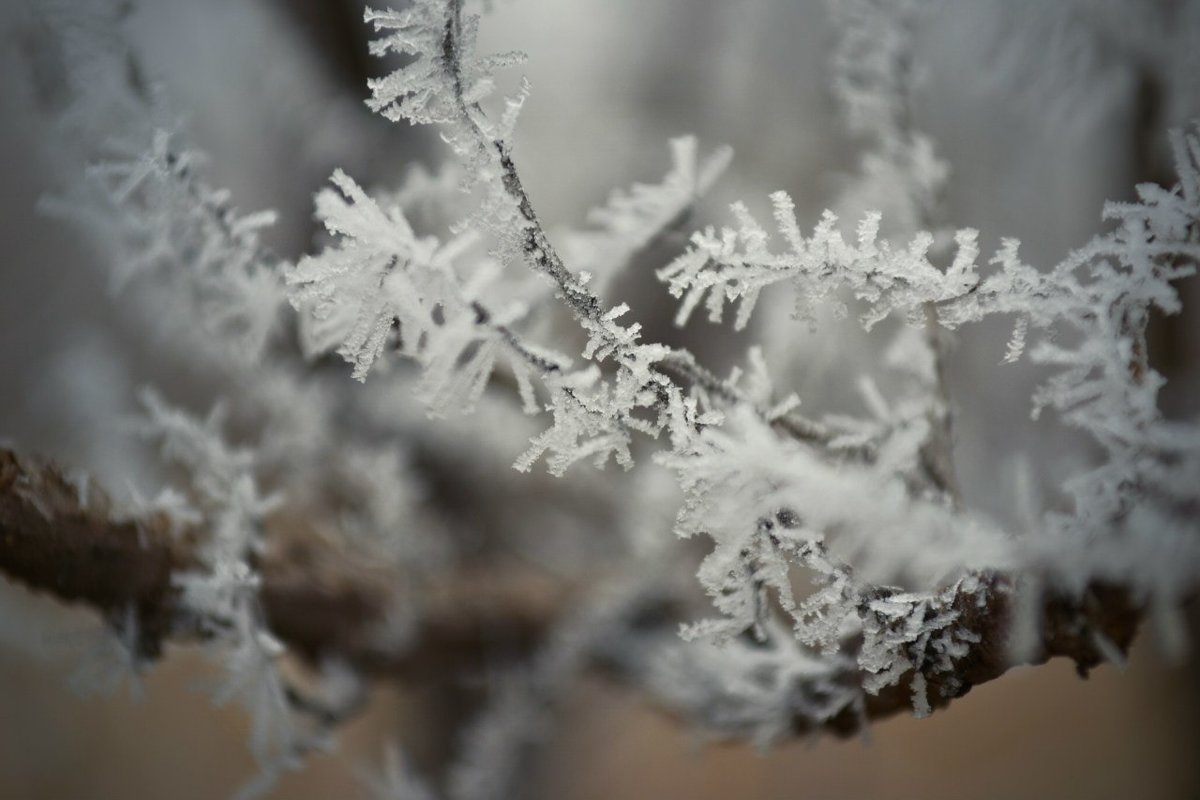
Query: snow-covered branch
pixel 845 574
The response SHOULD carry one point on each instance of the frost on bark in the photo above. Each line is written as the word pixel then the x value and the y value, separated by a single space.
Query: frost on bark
pixel 321 509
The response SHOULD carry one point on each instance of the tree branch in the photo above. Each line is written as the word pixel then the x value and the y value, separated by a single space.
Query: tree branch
pixel 1083 629
pixel 319 599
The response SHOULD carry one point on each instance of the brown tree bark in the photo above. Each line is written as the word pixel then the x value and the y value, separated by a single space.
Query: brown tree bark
pixel 320 599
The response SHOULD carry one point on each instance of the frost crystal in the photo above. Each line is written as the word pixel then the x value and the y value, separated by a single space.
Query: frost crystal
pixel 444 74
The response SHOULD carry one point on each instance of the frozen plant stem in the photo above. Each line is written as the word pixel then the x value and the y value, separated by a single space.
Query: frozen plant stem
pixel 544 258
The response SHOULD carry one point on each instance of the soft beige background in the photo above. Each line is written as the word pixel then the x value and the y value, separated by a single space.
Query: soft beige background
pixel 1037 733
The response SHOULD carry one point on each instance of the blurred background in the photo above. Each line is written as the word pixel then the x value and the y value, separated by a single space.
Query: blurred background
pixel 1043 110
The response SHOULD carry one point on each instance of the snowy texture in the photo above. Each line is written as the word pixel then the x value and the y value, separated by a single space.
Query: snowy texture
pixel 842 560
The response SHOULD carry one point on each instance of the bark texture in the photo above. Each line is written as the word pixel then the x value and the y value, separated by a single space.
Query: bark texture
pixel 60 537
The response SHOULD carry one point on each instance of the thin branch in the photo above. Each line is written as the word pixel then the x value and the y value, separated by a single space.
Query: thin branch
pixel 544 257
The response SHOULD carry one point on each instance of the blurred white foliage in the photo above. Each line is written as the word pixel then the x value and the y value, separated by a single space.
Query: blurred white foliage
pixel 224 592
pixel 396 781
pixel 174 225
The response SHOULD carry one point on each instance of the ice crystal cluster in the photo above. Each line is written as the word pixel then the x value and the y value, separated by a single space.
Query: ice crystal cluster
pixel 841 556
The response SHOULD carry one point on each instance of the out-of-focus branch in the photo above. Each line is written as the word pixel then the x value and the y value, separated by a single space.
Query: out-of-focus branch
pixel 323 600
pixel 58 537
